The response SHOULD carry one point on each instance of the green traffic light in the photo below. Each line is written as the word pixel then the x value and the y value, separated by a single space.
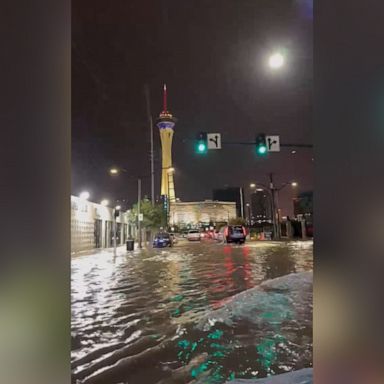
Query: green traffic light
pixel 262 150
pixel 201 147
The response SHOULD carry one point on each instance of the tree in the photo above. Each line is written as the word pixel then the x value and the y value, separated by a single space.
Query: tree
pixel 153 216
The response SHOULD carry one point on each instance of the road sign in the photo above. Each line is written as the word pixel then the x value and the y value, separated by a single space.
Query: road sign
pixel 214 140
pixel 141 217
pixel 273 143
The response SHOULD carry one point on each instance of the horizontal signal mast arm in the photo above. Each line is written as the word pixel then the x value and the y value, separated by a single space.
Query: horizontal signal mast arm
pixel 254 143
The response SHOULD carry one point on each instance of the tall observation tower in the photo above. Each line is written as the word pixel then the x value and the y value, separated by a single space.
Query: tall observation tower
pixel 165 123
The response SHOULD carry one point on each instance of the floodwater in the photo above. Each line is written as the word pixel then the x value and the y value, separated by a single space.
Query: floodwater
pixel 134 315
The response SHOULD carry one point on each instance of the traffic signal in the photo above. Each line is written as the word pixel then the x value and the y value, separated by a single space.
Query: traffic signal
pixel 261 145
pixel 202 143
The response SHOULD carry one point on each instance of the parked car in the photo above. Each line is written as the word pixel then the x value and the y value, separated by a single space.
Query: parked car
pixel 235 234
pixel 162 239
pixel 193 235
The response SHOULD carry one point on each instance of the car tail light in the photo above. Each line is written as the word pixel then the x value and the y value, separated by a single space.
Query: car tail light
pixel 226 231
pixel 244 231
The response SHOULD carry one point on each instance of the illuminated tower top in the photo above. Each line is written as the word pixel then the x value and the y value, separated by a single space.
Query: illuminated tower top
pixel 166 119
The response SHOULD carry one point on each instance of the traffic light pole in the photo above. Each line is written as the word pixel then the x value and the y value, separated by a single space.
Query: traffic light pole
pixel 150 122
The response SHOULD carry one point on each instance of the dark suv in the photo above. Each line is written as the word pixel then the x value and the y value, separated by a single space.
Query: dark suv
pixel 235 234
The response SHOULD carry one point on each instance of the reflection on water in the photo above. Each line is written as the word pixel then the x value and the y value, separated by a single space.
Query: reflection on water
pixel 134 315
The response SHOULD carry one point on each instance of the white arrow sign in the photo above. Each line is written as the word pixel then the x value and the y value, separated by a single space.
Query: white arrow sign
pixel 273 143
pixel 214 140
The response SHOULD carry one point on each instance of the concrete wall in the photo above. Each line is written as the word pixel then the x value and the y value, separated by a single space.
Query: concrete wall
pixel 85 216
pixel 201 212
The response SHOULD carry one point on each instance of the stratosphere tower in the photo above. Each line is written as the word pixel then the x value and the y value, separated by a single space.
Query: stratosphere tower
pixel 166 123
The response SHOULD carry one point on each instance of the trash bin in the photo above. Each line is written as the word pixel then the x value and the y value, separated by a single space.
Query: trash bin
pixel 130 245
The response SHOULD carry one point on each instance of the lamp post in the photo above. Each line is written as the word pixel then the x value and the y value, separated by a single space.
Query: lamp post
pixel 150 122
pixel 116 171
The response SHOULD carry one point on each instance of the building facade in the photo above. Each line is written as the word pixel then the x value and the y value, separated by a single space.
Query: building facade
pixel 303 204
pixel 231 194
pixel 193 214
pixel 92 226
pixel 261 206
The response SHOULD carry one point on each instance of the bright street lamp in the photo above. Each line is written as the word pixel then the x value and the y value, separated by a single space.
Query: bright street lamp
pixel 104 202
pixel 84 195
pixel 113 171
pixel 294 184
pixel 118 207
pixel 276 61
pixel 253 185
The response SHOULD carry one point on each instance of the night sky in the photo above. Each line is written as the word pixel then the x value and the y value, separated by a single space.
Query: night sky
pixel 212 55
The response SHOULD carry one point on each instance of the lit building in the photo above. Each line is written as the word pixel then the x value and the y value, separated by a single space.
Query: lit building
pixel 166 123
pixel 303 204
pixel 92 226
pixel 261 206
pixel 198 213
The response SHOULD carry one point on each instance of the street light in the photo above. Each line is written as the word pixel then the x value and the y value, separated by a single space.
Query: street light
pixel 118 207
pixel 114 171
pixel 294 184
pixel 104 202
pixel 84 195
pixel 276 61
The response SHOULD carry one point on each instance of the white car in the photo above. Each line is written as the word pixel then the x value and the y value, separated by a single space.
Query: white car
pixel 193 235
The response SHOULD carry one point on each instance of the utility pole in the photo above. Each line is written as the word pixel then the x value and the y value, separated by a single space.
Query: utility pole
pixel 272 189
pixel 278 214
pixel 241 204
pixel 150 122
pixel 139 210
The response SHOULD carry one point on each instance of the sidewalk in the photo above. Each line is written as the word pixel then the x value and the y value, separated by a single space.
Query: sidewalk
pixel 121 249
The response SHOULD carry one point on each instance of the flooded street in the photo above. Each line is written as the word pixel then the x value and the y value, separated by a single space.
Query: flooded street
pixel 146 316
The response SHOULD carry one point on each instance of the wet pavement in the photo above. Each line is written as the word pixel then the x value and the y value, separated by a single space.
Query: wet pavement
pixel 135 316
